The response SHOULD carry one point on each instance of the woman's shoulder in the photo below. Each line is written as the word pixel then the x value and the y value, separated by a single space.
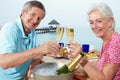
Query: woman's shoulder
pixel 116 37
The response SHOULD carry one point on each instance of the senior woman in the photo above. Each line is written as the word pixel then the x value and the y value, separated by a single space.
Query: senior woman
pixel 102 24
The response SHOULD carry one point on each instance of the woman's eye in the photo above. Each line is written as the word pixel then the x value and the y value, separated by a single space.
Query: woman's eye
pixel 91 22
pixel 100 21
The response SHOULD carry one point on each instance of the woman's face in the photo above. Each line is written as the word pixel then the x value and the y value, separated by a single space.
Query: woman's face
pixel 32 18
pixel 99 24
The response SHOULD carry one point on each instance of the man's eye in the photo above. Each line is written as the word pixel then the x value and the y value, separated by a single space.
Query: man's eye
pixel 32 15
pixel 39 19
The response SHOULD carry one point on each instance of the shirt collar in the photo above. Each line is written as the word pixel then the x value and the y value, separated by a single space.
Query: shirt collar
pixel 21 28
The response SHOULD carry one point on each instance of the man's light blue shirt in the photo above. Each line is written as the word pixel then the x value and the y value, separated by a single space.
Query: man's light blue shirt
pixel 13 40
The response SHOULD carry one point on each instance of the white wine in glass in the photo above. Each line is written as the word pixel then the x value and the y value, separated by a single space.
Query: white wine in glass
pixel 59 33
pixel 70 33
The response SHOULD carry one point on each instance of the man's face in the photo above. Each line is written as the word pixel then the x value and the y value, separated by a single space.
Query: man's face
pixel 32 18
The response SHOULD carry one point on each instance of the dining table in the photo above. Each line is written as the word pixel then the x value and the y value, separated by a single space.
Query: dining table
pixel 76 75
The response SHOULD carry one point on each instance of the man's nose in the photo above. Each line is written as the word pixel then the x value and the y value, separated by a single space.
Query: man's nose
pixel 36 19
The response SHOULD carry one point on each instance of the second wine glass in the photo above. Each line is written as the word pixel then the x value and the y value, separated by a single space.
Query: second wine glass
pixel 70 36
pixel 70 33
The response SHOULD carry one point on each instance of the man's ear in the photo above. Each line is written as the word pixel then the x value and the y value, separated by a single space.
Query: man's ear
pixel 23 11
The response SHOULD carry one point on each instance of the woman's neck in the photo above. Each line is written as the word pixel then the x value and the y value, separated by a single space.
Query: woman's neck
pixel 107 37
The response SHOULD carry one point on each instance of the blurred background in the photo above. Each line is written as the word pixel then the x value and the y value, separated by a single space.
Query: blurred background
pixel 69 13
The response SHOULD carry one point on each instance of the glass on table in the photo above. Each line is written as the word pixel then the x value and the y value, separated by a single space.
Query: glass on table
pixel 85 48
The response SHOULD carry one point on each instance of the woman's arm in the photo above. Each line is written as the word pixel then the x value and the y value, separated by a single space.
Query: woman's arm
pixel 108 72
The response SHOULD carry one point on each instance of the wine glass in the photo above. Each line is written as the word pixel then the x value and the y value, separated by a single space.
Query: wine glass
pixel 59 33
pixel 70 33
pixel 70 36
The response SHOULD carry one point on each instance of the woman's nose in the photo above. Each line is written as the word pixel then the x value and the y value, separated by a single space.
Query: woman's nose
pixel 94 25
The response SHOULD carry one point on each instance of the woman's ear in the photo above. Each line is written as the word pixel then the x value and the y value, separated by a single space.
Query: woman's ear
pixel 111 21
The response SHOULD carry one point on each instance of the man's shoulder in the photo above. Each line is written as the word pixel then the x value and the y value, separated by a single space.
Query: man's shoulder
pixel 10 26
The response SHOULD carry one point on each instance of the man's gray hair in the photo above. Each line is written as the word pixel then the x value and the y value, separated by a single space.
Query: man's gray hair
pixel 103 9
pixel 33 3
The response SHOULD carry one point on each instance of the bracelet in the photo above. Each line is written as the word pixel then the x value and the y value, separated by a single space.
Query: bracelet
pixel 84 62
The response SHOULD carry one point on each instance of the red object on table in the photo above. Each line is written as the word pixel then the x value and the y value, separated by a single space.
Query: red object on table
pixel 77 77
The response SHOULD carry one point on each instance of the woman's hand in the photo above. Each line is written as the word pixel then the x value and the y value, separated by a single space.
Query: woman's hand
pixel 75 48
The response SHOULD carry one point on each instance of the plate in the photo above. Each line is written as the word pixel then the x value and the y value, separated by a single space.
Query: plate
pixel 61 57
